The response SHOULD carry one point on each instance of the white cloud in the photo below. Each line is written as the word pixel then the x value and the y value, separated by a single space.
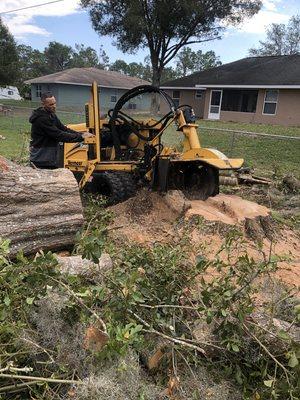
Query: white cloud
pixel 267 15
pixel 22 23
pixel 270 5
pixel 261 20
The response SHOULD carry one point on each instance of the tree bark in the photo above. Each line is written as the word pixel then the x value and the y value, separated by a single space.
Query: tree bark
pixel 39 209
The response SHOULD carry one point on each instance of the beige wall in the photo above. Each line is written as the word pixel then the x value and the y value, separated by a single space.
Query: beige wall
pixel 186 97
pixel 287 111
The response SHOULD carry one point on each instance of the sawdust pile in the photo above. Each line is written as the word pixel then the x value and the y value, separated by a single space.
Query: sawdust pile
pixel 150 218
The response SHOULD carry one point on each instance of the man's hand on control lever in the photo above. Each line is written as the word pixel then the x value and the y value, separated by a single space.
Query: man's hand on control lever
pixel 86 135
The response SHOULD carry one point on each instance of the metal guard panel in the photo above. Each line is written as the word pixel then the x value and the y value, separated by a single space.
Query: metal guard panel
pixel 229 163
pixel 212 157
pixel 78 127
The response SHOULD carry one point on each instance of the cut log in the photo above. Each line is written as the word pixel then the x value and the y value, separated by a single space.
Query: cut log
pixel 39 209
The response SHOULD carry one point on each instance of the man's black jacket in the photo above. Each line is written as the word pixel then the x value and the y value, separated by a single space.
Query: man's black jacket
pixel 46 132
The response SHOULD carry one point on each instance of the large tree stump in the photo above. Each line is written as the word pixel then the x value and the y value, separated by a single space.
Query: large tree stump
pixel 39 209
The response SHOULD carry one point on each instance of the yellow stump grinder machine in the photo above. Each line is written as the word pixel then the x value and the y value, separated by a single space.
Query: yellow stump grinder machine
pixel 126 152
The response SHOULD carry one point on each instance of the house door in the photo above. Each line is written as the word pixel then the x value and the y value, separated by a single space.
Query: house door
pixel 215 104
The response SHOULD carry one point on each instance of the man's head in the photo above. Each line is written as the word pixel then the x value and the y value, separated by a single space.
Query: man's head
pixel 49 102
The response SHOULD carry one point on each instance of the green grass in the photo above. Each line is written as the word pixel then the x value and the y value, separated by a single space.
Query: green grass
pixel 267 156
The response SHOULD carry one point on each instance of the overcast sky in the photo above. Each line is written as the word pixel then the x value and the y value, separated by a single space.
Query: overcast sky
pixel 65 22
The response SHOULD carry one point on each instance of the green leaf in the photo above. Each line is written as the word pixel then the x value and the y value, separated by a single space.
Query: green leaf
pixel 269 383
pixel 30 300
pixel 293 361
pixel 86 293
pixel 137 297
pixel 235 348
pixel 224 313
pixel 7 301
pixel 238 375
pixel 297 309
pixel 283 335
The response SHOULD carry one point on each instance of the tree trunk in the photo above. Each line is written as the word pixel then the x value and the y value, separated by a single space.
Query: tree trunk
pixel 39 209
pixel 156 76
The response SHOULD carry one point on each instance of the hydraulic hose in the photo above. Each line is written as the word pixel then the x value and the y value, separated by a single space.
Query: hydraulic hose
pixel 139 90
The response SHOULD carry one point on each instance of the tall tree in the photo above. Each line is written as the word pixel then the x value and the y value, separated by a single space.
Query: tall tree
pixel 140 70
pixel 9 60
pixel 119 66
pixel 32 62
pixel 168 73
pixel 189 61
pixel 164 26
pixel 58 56
pixel 281 39
pixel 103 58
pixel 132 69
pixel 84 56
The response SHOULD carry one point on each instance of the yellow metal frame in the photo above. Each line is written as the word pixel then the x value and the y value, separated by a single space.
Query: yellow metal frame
pixel 76 155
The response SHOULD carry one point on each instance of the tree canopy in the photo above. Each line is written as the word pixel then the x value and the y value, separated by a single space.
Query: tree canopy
pixel 9 59
pixel 165 27
pixel 189 61
pixel 281 39
pixel 58 56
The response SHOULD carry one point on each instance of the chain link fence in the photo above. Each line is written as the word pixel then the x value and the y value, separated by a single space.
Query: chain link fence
pixel 268 153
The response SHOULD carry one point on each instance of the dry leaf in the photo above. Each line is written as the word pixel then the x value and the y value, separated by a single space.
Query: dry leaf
pixel 3 165
pixel 95 339
pixel 155 359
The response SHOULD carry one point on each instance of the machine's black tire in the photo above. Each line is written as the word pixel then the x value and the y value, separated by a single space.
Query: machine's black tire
pixel 111 185
pixel 129 184
pixel 202 183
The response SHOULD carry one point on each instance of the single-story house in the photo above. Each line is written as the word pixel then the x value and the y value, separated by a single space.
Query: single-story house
pixel 254 89
pixel 71 87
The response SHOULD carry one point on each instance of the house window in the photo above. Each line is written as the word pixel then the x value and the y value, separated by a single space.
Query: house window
pixel 176 97
pixel 199 94
pixel 270 103
pixel 132 106
pixel 38 90
pixel 239 100
pixel 114 96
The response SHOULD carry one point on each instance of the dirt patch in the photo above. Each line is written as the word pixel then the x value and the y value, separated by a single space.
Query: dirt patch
pixel 150 218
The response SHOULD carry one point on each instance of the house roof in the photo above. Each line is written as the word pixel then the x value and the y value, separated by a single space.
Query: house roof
pixel 85 76
pixel 251 71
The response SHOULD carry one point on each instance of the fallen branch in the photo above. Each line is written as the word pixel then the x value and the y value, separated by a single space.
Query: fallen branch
pixel 11 368
pixel 41 379
pixel 39 347
pixel 163 335
pixel 16 386
pixel 286 372
pixel 70 291
pixel 168 306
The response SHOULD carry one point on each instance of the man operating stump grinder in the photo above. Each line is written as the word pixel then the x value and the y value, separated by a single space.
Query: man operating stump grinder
pixel 47 132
